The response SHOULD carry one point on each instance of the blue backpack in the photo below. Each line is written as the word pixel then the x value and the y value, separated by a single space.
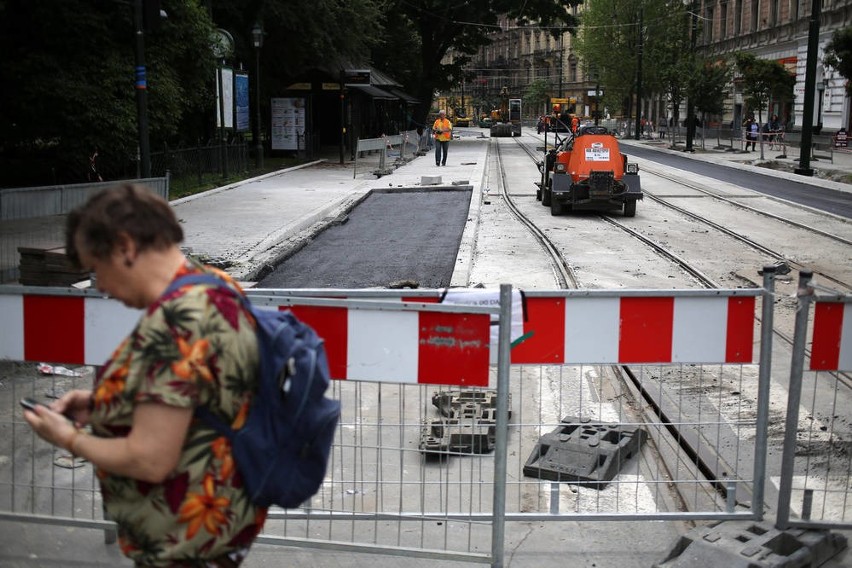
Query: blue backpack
pixel 282 450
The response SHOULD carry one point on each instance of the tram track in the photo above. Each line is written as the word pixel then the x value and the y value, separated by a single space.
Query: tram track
pixel 716 226
pixel 712 467
pixel 705 280
pixel 710 464
pixel 751 243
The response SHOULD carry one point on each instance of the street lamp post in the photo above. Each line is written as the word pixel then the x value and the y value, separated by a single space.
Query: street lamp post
pixel 257 37
pixel 141 94
pixel 810 88
pixel 821 93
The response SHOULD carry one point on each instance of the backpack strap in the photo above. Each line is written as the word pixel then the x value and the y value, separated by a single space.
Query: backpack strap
pixel 206 278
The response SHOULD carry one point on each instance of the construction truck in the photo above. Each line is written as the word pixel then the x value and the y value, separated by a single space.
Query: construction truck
pixel 507 120
pixel 460 117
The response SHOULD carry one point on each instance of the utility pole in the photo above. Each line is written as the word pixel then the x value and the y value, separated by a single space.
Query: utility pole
pixel 561 49
pixel 141 93
pixel 810 86
pixel 690 104
pixel 342 116
pixel 639 76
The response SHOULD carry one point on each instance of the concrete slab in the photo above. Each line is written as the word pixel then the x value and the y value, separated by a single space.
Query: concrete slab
pixel 584 451
pixel 748 544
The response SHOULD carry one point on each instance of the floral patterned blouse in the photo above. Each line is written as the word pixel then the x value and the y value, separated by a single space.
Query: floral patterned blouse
pixel 196 346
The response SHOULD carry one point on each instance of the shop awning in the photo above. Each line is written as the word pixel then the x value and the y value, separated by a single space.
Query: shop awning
pixel 404 96
pixel 374 92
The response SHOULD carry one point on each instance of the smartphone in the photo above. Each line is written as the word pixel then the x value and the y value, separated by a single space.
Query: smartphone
pixel 30 403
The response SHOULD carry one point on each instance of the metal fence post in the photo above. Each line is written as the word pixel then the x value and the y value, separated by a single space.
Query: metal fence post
pixel 797 364
pixel 763 382
pixel 498 524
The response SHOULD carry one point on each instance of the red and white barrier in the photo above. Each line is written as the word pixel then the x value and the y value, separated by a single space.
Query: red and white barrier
pixel 429 347
pixel 637 329
pixel 832 340
pixel 403 346
pixel 77 330
pixel 367 345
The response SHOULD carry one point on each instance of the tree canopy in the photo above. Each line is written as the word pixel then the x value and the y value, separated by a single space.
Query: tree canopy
pixel 610 40
pixel 838 54
pixel 68 67
pixel 763 79
pixel 437 26
pixel 69 72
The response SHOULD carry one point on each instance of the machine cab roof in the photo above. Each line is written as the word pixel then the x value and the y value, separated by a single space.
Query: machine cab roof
pixel 593 148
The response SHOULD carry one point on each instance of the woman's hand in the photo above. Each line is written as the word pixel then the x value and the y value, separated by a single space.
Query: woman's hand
pixel 76 405
pixel 51 426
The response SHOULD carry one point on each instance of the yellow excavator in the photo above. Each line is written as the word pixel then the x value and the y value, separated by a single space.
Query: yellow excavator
pixel 507 120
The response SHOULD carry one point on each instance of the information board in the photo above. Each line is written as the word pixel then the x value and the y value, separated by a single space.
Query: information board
pixel 288 122
pixel 241 84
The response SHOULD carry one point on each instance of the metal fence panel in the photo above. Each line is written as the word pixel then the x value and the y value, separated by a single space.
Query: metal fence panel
pixel 381 493
pixel 35 216
pixel 407 479
pixel 816 474
pixel 688 416
pixel 380 156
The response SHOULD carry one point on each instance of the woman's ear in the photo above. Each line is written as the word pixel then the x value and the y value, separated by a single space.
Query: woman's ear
pixel 126 246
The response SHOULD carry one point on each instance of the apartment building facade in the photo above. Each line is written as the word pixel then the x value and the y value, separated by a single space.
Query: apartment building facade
pixel 770 29
pixel 778 30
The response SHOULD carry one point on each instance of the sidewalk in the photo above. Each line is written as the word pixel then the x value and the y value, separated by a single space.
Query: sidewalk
pixel 248 225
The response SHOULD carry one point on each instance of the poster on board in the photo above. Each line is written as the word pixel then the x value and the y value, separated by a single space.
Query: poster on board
pixel 226 99
pixel 288 122
pixel 241 88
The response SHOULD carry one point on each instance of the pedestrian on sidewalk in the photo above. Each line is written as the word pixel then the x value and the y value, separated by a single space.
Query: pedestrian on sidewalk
pixel 751 129
pixel 443 130
pixel 168 480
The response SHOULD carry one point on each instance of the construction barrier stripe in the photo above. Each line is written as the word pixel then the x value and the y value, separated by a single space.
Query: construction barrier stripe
pixel 404 346
pixel 365 345
pixel 431 347
pixel 63 329
pixel 637 329
pixel 832 339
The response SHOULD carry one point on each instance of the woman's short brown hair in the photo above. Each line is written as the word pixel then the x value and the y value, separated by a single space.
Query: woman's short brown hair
pixel 130 209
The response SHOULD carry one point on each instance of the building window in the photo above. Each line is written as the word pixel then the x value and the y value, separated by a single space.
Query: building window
pixel 755 15
pixel 773 13
pixel 708 25
pixel 738 17
pixel 723 20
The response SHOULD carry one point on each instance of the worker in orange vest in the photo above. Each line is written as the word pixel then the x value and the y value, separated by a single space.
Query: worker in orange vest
pixel 443 130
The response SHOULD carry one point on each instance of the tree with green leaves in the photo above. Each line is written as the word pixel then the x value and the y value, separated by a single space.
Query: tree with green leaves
pixel 708 87
pixel 838 55
pixel 609 40
pixel 675 61
pixel 537 96
pixel 463 27
pixel 763 80
pixel 69 72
